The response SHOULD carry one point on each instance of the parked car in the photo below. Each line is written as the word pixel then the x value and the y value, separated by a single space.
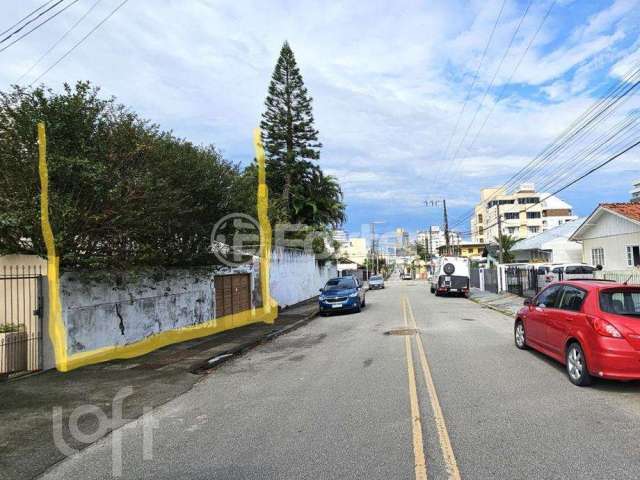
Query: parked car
pixel 568 271
pixel 450 275
pixel 591 326
pixel 342 293
pixel 405 276
pixel 376 281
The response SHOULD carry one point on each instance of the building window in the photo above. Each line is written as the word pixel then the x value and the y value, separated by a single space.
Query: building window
pixel 480 218
pixel 511 215
pixel 527 200
pixel 633 255
pixel 597 256
pixel 533 214
pixel 511 230
pixel 534 229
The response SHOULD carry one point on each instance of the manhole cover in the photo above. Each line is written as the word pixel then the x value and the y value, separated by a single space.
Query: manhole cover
pixel 402 331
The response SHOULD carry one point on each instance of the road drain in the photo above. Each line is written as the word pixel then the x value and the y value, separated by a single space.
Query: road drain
pixel 401 331
pixel 468 319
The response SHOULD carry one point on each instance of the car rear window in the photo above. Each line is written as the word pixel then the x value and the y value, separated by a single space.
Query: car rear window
pixel 338 283
pixel 621 302
pixel 578 269
pixel 376 277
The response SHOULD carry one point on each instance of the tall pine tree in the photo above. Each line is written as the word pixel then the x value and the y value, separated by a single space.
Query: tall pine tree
pixel 291 144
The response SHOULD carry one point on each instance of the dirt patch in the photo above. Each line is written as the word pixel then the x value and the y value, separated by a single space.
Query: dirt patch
pixel 401 331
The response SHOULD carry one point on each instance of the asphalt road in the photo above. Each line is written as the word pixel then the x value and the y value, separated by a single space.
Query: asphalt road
pixel 340 398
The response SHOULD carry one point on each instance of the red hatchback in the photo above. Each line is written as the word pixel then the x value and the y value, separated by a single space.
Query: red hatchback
pixel 591 326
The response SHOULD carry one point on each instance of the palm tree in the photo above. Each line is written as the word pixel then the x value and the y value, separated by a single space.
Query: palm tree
pixel 506 243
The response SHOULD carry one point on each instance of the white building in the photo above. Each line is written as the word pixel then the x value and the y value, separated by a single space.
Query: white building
pixel 635 191
pixel 340 236
pixel 523 213
pixel 610 236
pixel 355 249
pixel 434 238
pixel 551 246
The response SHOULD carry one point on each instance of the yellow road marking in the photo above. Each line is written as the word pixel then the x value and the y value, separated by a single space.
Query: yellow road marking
pixel 441 426
pixel 416 423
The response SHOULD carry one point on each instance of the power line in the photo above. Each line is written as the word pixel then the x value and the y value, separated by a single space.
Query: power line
pixel 573 132
pixel 25 17
pixel 455 157
pixel 578 179
pixel 29 22
pixel 475 78
pixel 57 42
pixel 47 20
pixel 508 82
pixel 79 42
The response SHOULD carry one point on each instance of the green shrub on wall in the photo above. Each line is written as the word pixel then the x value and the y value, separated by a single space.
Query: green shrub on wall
pixel 123 193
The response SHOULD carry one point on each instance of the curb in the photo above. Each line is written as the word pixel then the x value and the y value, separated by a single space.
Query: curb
pixel 201 368
pixel 487 305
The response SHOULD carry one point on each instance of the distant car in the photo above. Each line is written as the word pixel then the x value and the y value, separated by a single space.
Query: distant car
pixel 450 275
pixel 405 276
pixel 340 294
pixel 375 282
pixel 591 326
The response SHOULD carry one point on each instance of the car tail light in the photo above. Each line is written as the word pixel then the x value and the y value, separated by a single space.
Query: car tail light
pixel 604 328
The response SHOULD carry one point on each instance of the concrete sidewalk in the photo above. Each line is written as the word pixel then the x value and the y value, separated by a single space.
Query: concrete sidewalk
pixel 506 303
pixel 27 445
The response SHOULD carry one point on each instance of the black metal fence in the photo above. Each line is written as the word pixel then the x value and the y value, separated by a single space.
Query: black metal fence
pixel 522 281
pixel 491 280
pixel 474 277
pixel 21 312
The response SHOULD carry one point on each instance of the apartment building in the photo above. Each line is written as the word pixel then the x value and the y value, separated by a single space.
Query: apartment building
pixel 522 212
pixel 434 238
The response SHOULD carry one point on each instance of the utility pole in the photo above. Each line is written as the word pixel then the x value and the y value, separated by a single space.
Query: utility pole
pixel 446 226
pixel 499 232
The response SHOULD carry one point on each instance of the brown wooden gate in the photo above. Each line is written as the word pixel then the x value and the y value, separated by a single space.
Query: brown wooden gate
pixel 233 294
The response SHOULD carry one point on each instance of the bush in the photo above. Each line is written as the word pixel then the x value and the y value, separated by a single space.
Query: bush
pixel 122 192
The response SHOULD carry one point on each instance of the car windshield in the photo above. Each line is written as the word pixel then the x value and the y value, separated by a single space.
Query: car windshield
pixel 340 283
pixel 621 302
pixel 376 277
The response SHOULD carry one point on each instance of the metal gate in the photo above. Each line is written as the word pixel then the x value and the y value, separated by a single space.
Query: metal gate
pixel 490 280
pixel 21 311
pixel 522 281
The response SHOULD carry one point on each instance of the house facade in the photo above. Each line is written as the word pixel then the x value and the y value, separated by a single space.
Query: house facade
pixel 551 246
pixel 610 237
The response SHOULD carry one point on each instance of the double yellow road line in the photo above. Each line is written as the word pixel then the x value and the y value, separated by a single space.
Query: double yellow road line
pixel 416 420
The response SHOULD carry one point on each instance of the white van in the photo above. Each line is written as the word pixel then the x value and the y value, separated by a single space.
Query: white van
pixel 450 275
pixel 569 271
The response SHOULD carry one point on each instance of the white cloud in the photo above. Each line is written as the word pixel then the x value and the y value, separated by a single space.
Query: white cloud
pixel 388 80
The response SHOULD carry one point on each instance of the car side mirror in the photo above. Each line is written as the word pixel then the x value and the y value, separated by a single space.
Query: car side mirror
pixel 528 301
pixel 321 289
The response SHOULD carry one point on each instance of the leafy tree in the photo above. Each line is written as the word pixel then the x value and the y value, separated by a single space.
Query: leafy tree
pixel 506 243
pixel 122 192
pixel 301 192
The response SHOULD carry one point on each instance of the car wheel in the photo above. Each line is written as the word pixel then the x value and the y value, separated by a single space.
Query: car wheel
pixel 433 290
pixel 358 308
pixel 577 366
pixel 364 302
pixel 520 335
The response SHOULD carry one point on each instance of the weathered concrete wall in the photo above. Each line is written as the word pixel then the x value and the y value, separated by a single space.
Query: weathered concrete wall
pixel 103 311
pixel 296 276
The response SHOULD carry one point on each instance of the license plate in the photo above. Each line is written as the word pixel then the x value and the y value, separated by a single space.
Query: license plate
pixel 454 289
pixel 336 305
pixel 447 279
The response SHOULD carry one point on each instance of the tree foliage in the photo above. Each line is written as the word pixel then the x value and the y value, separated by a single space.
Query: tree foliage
pixel 301 192
pixel 506 243
pixel 122 192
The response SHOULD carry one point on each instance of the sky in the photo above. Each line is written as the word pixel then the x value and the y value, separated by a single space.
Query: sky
pixel 411 100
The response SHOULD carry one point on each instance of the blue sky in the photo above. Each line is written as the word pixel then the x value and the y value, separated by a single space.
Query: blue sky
pixel 389 80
